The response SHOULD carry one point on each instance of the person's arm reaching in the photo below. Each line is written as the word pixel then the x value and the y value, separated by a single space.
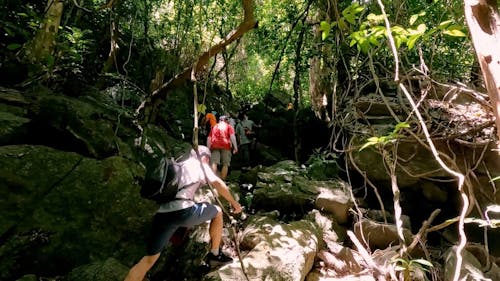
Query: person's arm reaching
pixel 234 143
pixel 223 191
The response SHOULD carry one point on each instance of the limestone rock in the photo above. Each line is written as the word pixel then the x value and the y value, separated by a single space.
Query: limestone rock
pixel 379 235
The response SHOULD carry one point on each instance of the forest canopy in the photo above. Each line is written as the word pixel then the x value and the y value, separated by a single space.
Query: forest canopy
pixel 137 40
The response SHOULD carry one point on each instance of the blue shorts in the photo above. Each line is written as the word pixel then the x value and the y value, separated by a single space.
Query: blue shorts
pixel 165 224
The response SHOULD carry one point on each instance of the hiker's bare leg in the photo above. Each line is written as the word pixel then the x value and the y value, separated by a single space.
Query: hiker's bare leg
pixel 214 168
pixel 216 230
pixel 139 270
pixel 223 172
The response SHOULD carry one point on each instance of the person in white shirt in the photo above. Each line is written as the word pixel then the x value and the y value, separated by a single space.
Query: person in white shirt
pixel 184 212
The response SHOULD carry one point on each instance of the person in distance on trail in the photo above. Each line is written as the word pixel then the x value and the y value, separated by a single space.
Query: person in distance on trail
pixel 246 138
pixel 231 120
pixel 207 123
pixel 184 212
pixel 221 141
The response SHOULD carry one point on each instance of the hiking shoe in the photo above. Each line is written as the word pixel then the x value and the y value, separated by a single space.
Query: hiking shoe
pixel 220 259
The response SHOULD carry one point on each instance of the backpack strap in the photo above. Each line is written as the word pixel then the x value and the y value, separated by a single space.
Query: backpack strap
pixel 165 171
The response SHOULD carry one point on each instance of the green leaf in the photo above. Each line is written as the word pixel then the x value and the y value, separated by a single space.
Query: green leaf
pixel 399 268
pixel 350 13
pixel 365 146
pixel 13 46
pixel 423 262
pixel 324 35
pixel 401 125
pixel 373 40
pixel 411 42
pixel 365 45
pixel 454 33
pixel 358 9
pixel 421 28
pixel 350 18
pixel 385 139
pixel 369 142
pixel 356 36
pixel 342 24
pixel 398 41
pixel 325 28
pixel 444 24
pixel 398 30
pixel 202 108
pixel 375 19
pixel 379 31
pixel 413 19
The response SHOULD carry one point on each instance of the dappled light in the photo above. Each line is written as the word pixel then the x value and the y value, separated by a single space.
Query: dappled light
pixel 360 140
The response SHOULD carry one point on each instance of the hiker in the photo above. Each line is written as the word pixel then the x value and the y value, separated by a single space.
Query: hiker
pixel 184 212
pixel 246 139
pixel 231 120
pixel 207 123
pixel 221 141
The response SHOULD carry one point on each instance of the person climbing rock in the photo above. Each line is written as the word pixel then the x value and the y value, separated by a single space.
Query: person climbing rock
pixel 183 211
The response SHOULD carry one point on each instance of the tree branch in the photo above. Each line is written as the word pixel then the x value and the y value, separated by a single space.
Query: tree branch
pixel 160 94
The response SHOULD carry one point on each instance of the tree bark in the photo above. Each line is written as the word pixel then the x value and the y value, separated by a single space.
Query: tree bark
pixel 113 49
pixel 483 21
pixel 297 92
pixel 44 42
pixel 159 95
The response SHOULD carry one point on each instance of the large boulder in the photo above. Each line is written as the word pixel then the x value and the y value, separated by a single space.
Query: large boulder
pixel 61 210
pixel 107 270
pixel 477 264
pixel 13 116
pixel 333 198
pixel 278 251
pixel 286 188
pixel 92 126
pixel 380 235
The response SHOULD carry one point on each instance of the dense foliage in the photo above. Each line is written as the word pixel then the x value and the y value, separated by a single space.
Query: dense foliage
pixel 167 36
pixel 303 58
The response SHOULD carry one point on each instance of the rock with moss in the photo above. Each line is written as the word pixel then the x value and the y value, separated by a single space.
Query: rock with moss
pixel 107 270
pixel 62 210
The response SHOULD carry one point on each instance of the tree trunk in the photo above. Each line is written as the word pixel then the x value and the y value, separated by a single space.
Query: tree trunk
pixel 113 49
pixel 160 94
pixel 44 42
pixel 297 92
pixel 483 20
